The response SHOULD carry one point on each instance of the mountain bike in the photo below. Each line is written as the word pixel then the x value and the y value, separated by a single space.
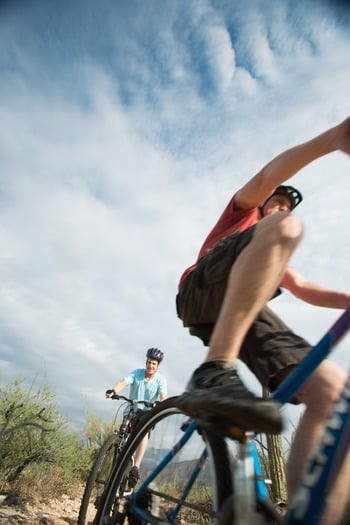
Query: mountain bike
pixel 107 455
pixel 194 478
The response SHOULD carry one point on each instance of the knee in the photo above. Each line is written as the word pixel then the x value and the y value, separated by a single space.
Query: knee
pixel 282 228
pixel 290 229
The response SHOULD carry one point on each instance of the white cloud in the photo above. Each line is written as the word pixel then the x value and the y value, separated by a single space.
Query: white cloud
pixel 118 152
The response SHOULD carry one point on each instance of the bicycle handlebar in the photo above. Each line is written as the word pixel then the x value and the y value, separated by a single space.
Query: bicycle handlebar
pixel 132 401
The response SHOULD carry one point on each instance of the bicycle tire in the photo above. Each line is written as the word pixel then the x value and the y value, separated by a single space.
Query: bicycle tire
pixel 98 476
pixel 115 507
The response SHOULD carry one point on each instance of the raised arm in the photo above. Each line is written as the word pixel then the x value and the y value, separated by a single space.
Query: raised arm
pixel 288 163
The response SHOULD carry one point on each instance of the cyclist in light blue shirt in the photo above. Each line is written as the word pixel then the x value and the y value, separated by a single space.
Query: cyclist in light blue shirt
pixel 146 384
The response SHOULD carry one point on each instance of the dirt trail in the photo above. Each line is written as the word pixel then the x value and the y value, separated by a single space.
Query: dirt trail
pixel 15 511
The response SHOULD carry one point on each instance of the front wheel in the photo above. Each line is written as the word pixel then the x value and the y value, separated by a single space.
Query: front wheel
pixel 97 479
pixel 184 476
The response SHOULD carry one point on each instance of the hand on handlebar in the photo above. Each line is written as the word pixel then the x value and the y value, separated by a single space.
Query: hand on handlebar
pixel 110 393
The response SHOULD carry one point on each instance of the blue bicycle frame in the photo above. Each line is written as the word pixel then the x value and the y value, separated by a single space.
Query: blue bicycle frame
pixel 308 504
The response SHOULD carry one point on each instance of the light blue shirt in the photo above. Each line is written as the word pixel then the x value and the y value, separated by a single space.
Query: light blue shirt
pixel 144 390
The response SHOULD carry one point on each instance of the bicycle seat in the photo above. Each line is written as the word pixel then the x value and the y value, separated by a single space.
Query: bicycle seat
pixel 203 331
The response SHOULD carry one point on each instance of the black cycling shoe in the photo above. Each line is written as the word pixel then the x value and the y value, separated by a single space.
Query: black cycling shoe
pixel 134 476
pixel 215 387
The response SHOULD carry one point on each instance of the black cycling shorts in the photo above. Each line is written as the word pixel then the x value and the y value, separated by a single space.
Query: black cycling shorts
pixel 270 346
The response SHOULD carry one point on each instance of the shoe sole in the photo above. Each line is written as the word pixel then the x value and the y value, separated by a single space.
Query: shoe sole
pixel 261 416
pixel 132 484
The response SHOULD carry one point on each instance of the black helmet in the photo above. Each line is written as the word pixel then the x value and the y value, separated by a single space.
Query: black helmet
pixel 155 353
pixel 294 195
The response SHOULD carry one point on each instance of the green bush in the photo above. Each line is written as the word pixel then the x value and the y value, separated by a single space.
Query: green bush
pixel 28 423
pixel 66 472
pixel 37 453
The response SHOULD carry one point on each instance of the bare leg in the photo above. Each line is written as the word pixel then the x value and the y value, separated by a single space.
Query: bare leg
pixel 140 452
pixel 254 278
pixel 319 394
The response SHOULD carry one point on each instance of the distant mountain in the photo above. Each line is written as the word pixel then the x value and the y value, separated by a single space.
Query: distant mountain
pixel 175 470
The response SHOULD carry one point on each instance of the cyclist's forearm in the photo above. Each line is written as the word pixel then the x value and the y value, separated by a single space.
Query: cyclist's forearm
pixel 318 296
pixel 329 299
pixel 120 385
pixel 313 293
pixel 290 162
pixel 294 159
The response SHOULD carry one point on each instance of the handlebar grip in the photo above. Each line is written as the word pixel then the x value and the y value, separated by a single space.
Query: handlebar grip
pixel 110 392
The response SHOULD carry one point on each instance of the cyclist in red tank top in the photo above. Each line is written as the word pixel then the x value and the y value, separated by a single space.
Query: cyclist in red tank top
pixel 230 222
pixel 242 264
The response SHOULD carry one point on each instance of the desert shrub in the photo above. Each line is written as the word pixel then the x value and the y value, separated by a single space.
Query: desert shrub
pixel 66 472
pixel 29 420
pixel 93 436
pixel 96 431
pixel 37 452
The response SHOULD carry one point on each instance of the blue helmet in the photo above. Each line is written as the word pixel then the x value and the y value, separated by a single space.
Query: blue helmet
pixel 155 353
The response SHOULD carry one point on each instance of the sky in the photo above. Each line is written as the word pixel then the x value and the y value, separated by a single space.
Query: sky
pixel 126 126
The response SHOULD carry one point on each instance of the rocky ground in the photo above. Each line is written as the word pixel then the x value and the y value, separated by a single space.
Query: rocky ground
pixel 15 511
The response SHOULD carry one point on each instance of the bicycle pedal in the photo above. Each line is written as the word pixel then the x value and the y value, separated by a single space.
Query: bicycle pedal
pixel 217 425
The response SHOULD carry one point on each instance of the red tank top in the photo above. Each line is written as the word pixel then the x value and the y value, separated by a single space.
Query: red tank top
pixel 231 221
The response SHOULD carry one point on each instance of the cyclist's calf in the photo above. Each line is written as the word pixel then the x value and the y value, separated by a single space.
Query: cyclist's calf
pixel 319 393
pixel 323 388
